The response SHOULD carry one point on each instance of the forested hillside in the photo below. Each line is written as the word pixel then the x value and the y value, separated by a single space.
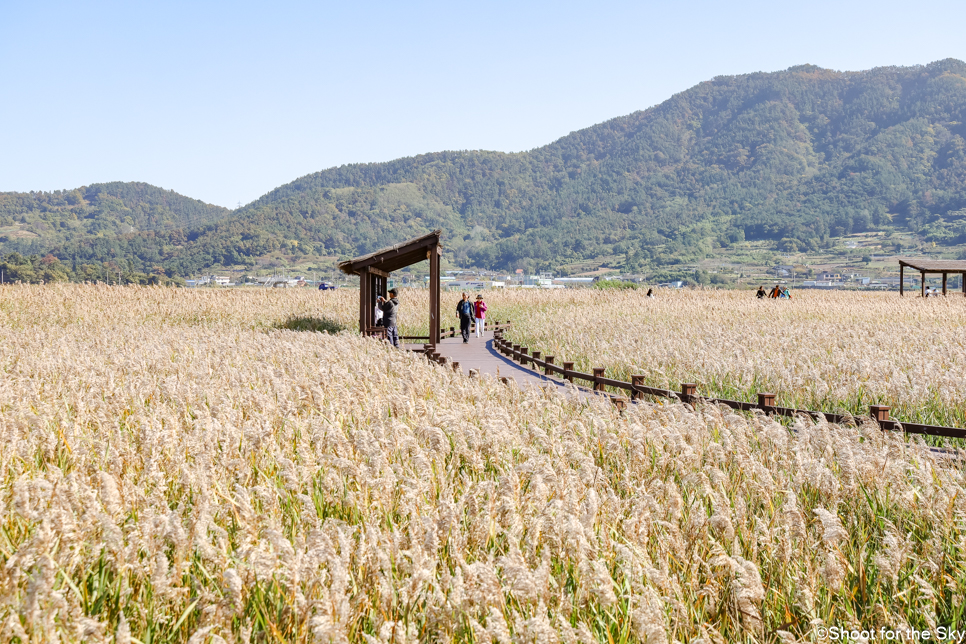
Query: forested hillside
pixel 38 221
pixel 794 156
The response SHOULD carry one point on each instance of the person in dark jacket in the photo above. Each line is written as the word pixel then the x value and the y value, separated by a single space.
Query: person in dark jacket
pixel 389 319
pixel 465 310
pixel 761 293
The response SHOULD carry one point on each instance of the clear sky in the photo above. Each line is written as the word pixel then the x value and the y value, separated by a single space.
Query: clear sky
pixel 224 101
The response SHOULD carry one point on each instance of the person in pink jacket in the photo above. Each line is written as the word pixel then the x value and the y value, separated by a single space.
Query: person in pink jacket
pixel 479 312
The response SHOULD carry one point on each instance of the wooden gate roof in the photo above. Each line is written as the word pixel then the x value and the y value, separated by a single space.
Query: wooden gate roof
pixel 395 257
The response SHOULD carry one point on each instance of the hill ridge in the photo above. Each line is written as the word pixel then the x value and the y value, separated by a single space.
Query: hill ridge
pixel 792 157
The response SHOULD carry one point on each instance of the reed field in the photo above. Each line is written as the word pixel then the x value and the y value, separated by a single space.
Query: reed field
pixel 190 466
pixel 827 351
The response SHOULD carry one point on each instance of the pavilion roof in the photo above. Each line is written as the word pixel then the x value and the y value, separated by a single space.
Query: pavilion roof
pixel 395 257
pixel 935 265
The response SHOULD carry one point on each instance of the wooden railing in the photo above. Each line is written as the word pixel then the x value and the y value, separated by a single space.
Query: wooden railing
pixel 688 394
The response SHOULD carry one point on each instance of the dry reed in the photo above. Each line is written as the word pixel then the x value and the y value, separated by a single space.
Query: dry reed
pixel 174 468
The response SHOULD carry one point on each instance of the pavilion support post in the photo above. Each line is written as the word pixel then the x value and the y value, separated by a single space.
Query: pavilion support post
pixel 944 283
pixel 962 279
pixel 922 283
pixel 434 319
pixel 364 309
pixel 902 279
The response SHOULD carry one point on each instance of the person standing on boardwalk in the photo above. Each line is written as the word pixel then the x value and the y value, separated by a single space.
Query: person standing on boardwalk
pixel 479 312
pixel 390 308
pixel 464 309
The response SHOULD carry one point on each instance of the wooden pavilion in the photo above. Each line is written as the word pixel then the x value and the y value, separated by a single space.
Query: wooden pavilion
pixel 924 266
pixel 374 269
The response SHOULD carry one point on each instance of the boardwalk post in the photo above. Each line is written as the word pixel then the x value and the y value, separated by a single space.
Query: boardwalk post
pixel 879 412
pixel 568 367
pixel 427 349
pixel 688 390
pixel 523 355
pixel 549 361
pixel 637 381
pixel 516 348
pixel 456 366
pixel 766 399
pixel 598 374
pixel 533 362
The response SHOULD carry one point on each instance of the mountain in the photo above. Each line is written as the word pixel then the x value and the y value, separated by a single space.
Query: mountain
pixel 796 157
pixel 40 220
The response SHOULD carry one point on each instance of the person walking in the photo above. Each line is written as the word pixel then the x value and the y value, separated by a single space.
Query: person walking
pixel 775 292
pixel 464 309
pixel 761 293
pixel 650 292
pixel 479 312
pixel 390 309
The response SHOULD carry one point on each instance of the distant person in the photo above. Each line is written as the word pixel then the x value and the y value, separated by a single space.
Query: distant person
pixel 761 293
pixel 786 294
pixel 390 309
pixel 775 292
pixel 464 309
pixel 479 312
pixel 650 292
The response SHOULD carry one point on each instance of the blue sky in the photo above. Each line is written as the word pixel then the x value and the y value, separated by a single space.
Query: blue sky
pixel 224 101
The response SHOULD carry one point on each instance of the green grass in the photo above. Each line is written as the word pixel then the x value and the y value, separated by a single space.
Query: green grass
pixel 310 323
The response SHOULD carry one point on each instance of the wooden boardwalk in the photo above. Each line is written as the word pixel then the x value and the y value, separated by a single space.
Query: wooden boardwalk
pixel 480 354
